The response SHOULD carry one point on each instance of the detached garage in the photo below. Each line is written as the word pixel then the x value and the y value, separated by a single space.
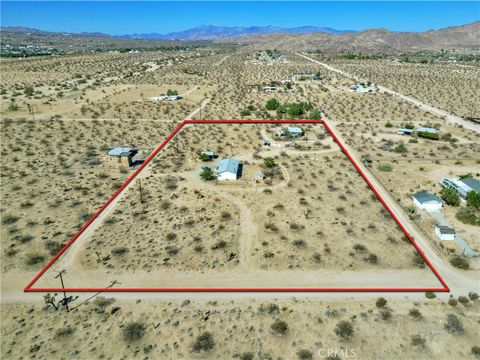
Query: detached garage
pixel 427 201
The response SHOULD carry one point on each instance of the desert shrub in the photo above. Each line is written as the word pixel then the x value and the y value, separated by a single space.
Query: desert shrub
pixel 359 247
pixel 400 148
pixel 452 302
pixel 246 356
pixel 386 314
pixel 473 296
pixel 415 313
pixel 460 262
pixel 270 309
pixel 468 215
pixel 271 227
pixel 207 175
pixel 220 244
pixel 463 300
pixel 226 215
pixel 453 324
pixel 418 340
pixel 172 250
pixel 171 236
pixel 119 251
pixel 204 342
pixel 344 329
pixel 381 302
pixel 34 259
pixel 450 197
pixel 103 302
pixel 299 243
pixel 476 351
pixel 272 104
pixel 385 167
pixel 417 260
pixel 305 354
pixel 430 295
pixel 372 259
pixel 473 199
pixel 279 327
pixel 133 331
pixel 9 219
pixel 64 332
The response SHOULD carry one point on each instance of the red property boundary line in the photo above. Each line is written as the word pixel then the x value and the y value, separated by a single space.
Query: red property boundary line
pixel 444 287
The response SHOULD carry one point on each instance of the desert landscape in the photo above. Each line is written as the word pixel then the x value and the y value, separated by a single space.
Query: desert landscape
pixel 205 227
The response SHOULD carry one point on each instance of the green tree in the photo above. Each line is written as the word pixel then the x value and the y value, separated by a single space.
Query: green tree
pixel 172 92
pixel 315 114
pixel 207 175
pixel 269 162
pixel 295 110
pixel 272 104
pixel 450 197
pixel 204 157
pixel 473 199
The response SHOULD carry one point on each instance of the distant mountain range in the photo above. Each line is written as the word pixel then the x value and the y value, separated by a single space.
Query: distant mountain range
pixel 212 32
pixel 307 38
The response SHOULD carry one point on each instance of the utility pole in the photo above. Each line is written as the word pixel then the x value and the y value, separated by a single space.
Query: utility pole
pixel 60 273
pixel 32 109
pixel 140 189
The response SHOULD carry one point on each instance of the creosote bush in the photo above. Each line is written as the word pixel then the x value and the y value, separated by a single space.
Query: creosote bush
pixel 133 331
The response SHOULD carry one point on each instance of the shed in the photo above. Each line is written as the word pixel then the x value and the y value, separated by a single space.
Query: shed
pixel 426 201
pixel 445 232
pixel 228 169
pixel 209 154
pixel 404 131
pixel 122 155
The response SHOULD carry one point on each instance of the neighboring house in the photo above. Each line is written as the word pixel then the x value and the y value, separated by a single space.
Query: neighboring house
pixel 426 201
pixel 228 169
pixel 403 131
pixel 270 89
pixel 291 131
pixel 445 232
pixel 122 155
pixel 362 89
pixel 427 130
pixel 210 154
pixel 461 186
pixel 166 98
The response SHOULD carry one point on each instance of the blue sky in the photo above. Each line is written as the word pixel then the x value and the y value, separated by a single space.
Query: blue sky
pixel 144 17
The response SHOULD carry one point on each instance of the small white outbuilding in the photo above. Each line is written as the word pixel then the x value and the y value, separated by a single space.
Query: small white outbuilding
pixel 445 232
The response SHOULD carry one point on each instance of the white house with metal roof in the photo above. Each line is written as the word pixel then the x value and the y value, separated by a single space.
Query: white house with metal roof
pixel 426 201
pixel 461 186
pixel 228 169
